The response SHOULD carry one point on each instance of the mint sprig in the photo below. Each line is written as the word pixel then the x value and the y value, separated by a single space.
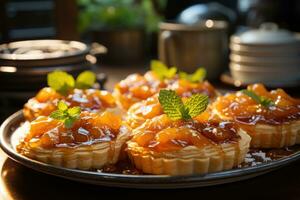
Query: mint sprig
pixel 161 70
pixel 62 82
pixel 258 99
pixel 198 76
pixel 65 114
pixel 175 109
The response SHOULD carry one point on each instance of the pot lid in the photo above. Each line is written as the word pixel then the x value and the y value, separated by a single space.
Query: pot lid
pixel 268 34
pixel 42 49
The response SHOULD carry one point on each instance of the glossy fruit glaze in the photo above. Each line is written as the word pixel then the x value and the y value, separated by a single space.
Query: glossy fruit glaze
pixel 90 128
pixel 46 100
pixel 185 88
pixel 161 134
pixel 244 109
pixel 138 87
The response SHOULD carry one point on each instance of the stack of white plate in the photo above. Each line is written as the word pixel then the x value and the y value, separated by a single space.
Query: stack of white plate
pixel 267 55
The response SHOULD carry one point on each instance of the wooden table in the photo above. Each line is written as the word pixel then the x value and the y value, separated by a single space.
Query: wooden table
pixel 21 183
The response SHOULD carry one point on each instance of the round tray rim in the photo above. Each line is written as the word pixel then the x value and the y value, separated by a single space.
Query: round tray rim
pixel 135 181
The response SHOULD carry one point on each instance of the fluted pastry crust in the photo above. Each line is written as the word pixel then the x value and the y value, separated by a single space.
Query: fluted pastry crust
pixel 274 136
pixel 83 157
pixel 191 159
pixel 89 143
pixel 267 131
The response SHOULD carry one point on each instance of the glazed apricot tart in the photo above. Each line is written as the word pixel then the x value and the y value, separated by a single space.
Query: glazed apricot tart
pixel 274 125
pixel 163 146
pixel 94 140
pixel 46 100
pixel 137 87
pixel 139 112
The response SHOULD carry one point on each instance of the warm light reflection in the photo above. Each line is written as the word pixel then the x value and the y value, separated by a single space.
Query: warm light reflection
pixel 91 59
pixel 4 192
pixel 8 69
pixel 209 23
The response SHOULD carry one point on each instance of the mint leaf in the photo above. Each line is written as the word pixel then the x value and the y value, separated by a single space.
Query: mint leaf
pixel 170 72
pixel 60 81
pixel 58 114
pixel 197 76
pixel 171 104
pixel 175 109
pixel 85 80
pixel 68 122
pixel 196 104
pixel 161 70
pixel 67 115
pixel 266 102
pixel 185 113
pixel 74 112
pixel 62 106
pixel 259 99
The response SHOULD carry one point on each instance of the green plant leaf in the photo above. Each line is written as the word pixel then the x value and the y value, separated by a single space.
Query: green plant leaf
pixel 62 106
pixel 66 115
pixel 161 70
pixel 58 114
pixel 175 109
pixel 171 104
pixel 74 112
pixel 60 81
pixel 68 122
pixel 85 80
pixel 197 76
pixel 266 102
pixel 196 104
pixel 259 99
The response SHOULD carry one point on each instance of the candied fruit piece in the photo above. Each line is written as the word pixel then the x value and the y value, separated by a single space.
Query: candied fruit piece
pixel 107 98
pixel 144 138
pixel 141 92
pixel 47 94
pixel 109 119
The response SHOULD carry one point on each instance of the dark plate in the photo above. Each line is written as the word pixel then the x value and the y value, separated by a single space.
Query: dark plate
pixel 134 181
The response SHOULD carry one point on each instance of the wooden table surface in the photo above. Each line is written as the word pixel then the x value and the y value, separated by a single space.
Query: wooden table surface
pixel 21 183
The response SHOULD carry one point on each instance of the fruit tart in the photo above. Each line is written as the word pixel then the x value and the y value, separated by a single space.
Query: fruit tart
pixel 149 108
pixel 188 84
pixel 272 118
pixel 183 142
pixel 47 98
pixel 75 139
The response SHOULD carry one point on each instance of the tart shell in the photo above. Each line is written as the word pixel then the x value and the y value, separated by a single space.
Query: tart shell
pixel 274 136
pixel 81 157
pixel 190 160
pixel 271 136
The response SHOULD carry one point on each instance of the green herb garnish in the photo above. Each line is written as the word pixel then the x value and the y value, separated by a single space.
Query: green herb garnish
pixel 85 80
pixel 161 70
pixel 60 81
pixel 197 76
pixel 65 114
pixel 63 82
pixel 259 99
pixel 176 109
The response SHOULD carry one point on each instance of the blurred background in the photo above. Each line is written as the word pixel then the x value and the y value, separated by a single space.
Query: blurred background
pixel 237 41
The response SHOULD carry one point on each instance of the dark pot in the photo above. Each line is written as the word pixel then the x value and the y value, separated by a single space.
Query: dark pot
pixel 124 46
pixel 24 65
